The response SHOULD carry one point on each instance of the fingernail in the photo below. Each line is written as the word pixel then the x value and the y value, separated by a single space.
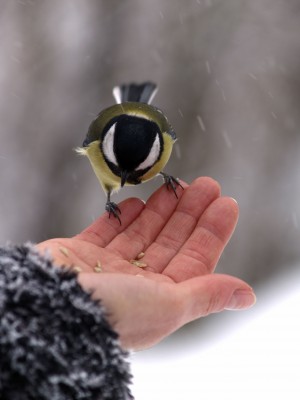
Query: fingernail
pixel 241 299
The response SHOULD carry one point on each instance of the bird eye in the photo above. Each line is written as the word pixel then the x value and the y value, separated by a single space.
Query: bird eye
pixel 108 145
pixel 152 156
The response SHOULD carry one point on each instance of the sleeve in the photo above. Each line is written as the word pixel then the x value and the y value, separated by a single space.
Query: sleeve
pixel 55 340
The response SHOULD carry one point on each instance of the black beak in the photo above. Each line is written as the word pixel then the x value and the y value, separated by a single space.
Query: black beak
pixel 124 175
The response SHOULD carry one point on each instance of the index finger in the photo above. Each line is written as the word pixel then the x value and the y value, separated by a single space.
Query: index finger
pixel 144 229
pixel 105 229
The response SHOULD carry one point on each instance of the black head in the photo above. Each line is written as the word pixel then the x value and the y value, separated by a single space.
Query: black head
pixel 130 146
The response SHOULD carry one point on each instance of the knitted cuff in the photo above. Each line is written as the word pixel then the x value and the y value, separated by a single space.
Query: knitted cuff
pixel 55 341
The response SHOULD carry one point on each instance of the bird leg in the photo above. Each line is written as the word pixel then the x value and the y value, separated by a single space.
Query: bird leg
pixel 112 208
pixel 171 182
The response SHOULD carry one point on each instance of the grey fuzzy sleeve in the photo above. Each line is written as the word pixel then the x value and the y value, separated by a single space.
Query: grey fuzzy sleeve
pixel 55 341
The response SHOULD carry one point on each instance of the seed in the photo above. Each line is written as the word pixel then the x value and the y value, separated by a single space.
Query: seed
pixel 141 255
pixel 138 263
pixel 98 267
pixel 64 251
pixel 77 268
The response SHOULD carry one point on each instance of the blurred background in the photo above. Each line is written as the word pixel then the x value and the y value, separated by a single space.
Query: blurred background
pixel 228 76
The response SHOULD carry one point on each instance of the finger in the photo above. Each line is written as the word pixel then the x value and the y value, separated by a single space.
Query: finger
pixel 213 293
pixel 105 229
pixel 193 203
pixel 141 232
pixel 201 252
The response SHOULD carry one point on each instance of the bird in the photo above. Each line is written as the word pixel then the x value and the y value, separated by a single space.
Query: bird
pixel 130 142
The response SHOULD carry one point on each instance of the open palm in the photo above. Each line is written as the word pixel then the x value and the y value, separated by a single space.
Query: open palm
pixel 177 244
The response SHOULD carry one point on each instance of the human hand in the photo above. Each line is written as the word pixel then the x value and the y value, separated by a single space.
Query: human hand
pixel 182 242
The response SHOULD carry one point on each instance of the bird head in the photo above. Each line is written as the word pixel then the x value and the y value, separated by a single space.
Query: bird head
pixel 131 145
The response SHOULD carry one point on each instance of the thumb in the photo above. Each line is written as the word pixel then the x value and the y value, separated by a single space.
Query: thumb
pixel 213 293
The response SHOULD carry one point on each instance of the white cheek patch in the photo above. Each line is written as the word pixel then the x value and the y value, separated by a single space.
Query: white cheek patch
pixel 152 156
pixel 108 145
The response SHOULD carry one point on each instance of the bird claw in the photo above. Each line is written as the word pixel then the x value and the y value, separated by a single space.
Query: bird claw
pixel 113 209
pixel 171 182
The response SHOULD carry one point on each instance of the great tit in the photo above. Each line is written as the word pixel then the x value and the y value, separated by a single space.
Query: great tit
pixel 129 142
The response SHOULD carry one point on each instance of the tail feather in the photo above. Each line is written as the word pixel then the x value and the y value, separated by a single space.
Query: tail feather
pixel 142 93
